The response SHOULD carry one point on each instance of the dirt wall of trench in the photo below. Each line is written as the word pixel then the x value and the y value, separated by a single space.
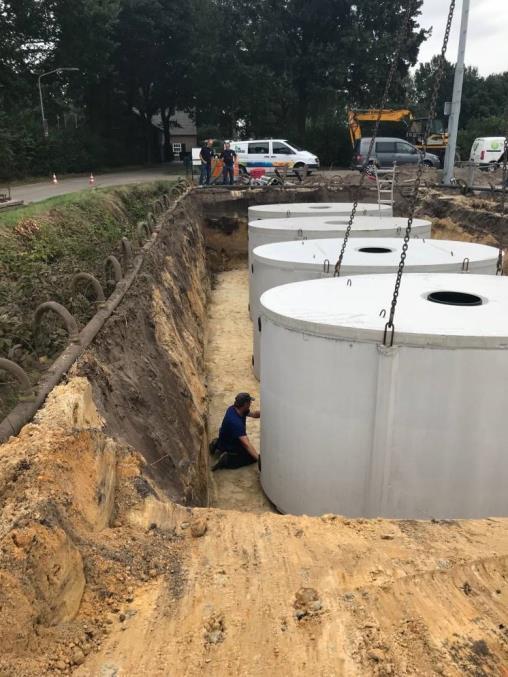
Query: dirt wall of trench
pixel 146 367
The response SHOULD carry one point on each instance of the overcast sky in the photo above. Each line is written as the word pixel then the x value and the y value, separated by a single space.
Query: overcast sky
pixel 487 33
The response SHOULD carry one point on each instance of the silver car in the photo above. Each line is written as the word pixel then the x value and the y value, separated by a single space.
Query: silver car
pixel 388 150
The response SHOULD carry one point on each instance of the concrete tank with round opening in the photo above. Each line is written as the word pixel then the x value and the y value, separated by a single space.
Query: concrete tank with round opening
pixel 285 262
pixel 316 228
pixel 293 209
pixel 412 431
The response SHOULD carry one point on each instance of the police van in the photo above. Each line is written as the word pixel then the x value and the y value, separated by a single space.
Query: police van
pixel 487 152
pixel 272 154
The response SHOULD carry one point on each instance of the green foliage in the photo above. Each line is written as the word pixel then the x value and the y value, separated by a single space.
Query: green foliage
pixel 43 245
pixel 260 68
pixel 489 126
pixel 295 62
pixel 329 139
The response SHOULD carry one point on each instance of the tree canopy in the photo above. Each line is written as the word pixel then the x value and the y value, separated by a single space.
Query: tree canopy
pixel 287 68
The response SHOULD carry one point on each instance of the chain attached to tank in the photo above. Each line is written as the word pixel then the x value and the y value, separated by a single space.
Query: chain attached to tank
pixel 364 171
pixel 390 327
pixel 499 270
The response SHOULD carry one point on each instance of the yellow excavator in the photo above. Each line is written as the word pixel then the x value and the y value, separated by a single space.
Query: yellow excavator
pixel 399 122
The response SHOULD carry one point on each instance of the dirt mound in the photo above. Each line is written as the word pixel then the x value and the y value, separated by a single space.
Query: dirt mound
pixel 66 489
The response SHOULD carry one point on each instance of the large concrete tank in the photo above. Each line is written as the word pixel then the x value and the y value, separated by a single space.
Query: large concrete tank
pixel 316 228
pixel 413 431
pixel 265 231
pixel 292 209
pixel 285 262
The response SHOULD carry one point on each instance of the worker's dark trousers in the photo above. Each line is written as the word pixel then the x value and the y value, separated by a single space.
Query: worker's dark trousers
pixel 228 175
pixel 233 461
pixel 206 171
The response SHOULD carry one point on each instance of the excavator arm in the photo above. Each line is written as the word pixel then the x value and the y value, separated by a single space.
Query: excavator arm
pixel 437 139
pixel 356 117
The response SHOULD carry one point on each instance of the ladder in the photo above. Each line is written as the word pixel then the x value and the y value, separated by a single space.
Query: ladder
pixel 385 184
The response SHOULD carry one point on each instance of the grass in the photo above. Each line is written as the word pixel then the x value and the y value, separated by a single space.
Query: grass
pixel 44 244
pixel 12 216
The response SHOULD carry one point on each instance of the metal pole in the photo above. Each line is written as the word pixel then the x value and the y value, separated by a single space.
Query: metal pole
pixel 453 124
pixel 56 70
pixel 44 126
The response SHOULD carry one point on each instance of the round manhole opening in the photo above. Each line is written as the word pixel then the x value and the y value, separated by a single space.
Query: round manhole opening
pixel 455 298
pixel 375 250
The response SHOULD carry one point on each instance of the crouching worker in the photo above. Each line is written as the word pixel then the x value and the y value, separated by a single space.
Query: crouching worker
pixel 233 445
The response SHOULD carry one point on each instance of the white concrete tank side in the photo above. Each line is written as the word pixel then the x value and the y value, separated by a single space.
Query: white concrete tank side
pixel 410 432
pixel 292 209
pixel 316 228
pixel 285 262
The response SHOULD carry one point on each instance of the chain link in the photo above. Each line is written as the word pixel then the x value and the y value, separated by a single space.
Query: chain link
pixel 499 270
pixel 390 327
pixel 391 74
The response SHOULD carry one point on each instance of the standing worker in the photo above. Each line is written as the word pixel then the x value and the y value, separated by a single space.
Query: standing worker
pixel 206 156
pixel 233 444
pixel 228 156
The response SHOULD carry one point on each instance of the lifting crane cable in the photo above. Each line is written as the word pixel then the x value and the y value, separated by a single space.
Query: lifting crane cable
pixel 499 270
pixel 364 170
pixel 390 327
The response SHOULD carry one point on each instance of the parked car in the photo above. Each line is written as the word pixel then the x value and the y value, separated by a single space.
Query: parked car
pixel 273 153
pixel 487 151
pixel 388 150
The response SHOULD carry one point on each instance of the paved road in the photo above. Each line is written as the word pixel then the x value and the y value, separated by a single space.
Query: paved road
pixel 36 192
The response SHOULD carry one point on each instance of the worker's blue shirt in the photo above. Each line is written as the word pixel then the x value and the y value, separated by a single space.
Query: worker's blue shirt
pixel 207 154
pixel 233 427
pixel 228 156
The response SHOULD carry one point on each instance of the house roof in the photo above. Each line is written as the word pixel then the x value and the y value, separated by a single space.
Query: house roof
pixel 181 123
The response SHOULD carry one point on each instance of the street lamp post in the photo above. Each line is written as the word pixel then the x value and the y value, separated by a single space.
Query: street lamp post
pixel 453 123
pixel 43 75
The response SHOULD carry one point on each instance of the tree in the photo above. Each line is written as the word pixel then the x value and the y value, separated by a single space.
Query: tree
pixel 296 59
pixel 472 92
pixel 154 61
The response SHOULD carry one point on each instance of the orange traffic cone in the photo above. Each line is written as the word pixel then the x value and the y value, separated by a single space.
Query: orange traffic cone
pixel 91 180
pixel 55 180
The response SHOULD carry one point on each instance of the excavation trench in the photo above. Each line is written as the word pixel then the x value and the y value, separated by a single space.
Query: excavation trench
pixel 113 563
pixel 147 368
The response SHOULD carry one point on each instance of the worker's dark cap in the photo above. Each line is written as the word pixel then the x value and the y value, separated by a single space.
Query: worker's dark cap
pixel 243 398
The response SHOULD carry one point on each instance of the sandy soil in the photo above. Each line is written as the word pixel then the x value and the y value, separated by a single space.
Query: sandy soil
pixel 269 595
pixel 228 364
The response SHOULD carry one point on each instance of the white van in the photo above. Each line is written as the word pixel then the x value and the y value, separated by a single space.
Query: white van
pixel 272 153
pixel 487 152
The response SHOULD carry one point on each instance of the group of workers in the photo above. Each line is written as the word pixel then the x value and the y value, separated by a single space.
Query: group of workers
pixel 233 447
pixel 227 156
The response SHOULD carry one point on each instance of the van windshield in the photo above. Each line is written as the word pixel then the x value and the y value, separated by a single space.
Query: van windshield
pixel 293 145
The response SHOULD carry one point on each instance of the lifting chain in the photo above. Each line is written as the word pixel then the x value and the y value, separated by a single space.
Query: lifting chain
pixel 364 171
pixel 499 270
pixel 390 327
